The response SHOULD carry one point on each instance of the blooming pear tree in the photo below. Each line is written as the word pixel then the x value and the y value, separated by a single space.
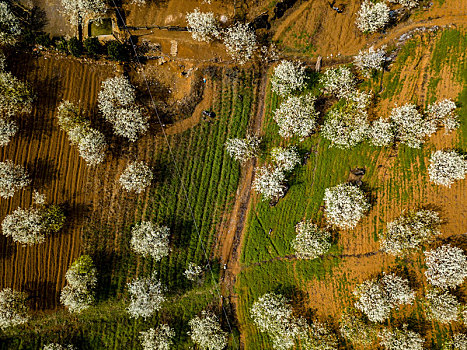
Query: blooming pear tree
pixel 296 116
pixel 56 346
pixel 240 42
pixel 243 150
pixel 370 60
pixel 409 231
pixel 13 309
pixel 136 177
pixel 202 25
pixel 10 25
pixel 77 10
pixel 401 339
pixel 269 181
pixel 376 298
pixel 406 3
pixel 288 77
pixel 15 96
pixel 345 205
pixel 355 329
pixel 446 266
pixel 446 167
pixel 8 129
pixel 372 16
pixel 442 113
pixel 149 239
pixel 311 241
pixel 410 127
pixel 317 336
pixel 458 342
pixel 381 133
pixel 206 332
pixel 117 103
pixel 146 296
pixel 193 272
pixel 12 178
pixel 285 159
pixel 81 277
pixel 157 339
pixel 338 81
pixel 442 306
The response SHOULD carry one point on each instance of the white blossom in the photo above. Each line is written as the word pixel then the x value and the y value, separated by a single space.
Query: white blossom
pixel 206 332
pixel 409 231
pixel 13 309
pixel 38 198
pixel 458 342
pixel 243 150
pixel 442 113
pixel 406 3
pixel 288 76
pixel 376 298
pixel 92 146
pixel 24 226
pixel 345 205
pixel 146 296
pixel 202 25
pixel 269 182
pixel 136 177
pixel 193 271
pixel 356 329
pixel 157 339
pixel 442 306
pixel 12 178
pixel 372 16
pixel 56 346
pixel 296 116
pixel 117 102
pixel 401 339
pixel 311 241
pixel 15 96
pixel 410 127
pixel 8 129
pixel 317 336
pixel 446 266
pixel 338 81
pixel 446 167
pixel 370 60
pixel 10 26
pixel 285 159
pixel 78 9
pixel 381 133
pixel 149 239
pixel 240 42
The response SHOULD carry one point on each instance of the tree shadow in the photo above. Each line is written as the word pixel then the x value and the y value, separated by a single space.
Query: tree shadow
pixel 42 172
pixel 181 230
pixel 105 261
pixel 7 247
pixel 41 294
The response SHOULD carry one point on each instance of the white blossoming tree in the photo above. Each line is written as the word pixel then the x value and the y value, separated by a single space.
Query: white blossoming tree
pixel 442 306
pixel 243 150
pixel 206 332
pixel 149 239
pixel 345 205
pixel 296 116
pixel 446 167
pixel 442 113
pixel 15 96
pixel 401 339
pixel 317 336
pixel 79 9
pixel 56 346
pixel 370 60
pixel 338 81
pixel 146 296
pixel 406 3
pixel 457 342
pixel 240 42
pixel 10 25
pixel 372 16
pixel 202 25
pixel 269 182
pixel 410 127
pixel 446 266
pixel 409 231
pixel 288 77
pixel 381 133
pixel 376 298
pixel 13 309
pixel 8 129
pixel 12 178
pixel 285 159
pixel 81 277
pixel 273 315
pixel 193 272
pixel 117 103
pixel 157 339
pixel 354 328
pixel 311 241
pixel 136 177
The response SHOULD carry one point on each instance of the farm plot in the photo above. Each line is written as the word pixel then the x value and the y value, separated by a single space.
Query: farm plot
pixel 396 179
